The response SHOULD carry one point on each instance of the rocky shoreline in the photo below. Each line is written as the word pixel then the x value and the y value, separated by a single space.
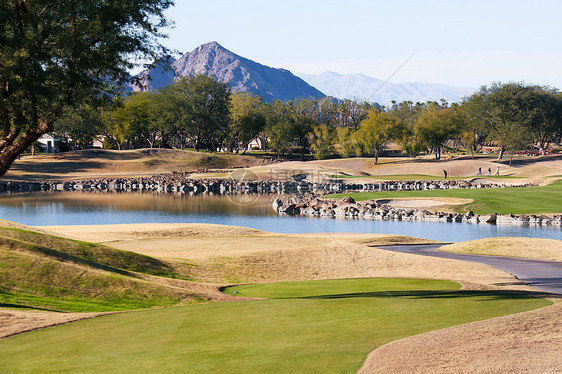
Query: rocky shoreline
pixel 315 206
pixel 301 196
pixel 183 183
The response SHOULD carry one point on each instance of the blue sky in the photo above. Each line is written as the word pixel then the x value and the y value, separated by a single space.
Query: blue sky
pixel 461 43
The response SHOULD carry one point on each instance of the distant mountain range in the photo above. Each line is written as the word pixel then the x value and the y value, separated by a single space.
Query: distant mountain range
pixel 244 75
pixel 360 86
pixel 241 74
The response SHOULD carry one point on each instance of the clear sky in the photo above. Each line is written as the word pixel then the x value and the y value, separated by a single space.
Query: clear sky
pixel 460 43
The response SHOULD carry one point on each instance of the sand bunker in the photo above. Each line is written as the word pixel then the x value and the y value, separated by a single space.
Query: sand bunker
pixel 424 203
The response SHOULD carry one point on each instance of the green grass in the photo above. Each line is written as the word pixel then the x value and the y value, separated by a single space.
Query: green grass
pixel 520 200
pixel 46 272
pixel 85 253
pixel 316 326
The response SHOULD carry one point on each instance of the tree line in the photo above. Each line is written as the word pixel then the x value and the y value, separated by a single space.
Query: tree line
pixel 200 113
pixel 62 63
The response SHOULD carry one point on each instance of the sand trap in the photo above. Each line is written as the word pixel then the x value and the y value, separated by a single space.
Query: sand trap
pixel 423 203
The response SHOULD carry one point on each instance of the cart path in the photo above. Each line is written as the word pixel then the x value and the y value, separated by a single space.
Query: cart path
pixel 545 276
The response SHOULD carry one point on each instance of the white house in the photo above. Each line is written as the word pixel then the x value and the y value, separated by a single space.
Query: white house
pixel 49 144
pixel 257 143
pixel 98 141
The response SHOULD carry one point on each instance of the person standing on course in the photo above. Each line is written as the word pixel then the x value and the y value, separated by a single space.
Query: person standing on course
pixel 489 172
pixel 498 171
pixel 479 171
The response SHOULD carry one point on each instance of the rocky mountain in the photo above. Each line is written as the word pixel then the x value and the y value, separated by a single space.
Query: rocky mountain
pixel 359 86
pixel 241 74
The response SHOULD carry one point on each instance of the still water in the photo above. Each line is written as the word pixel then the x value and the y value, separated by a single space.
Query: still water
pixel 75 208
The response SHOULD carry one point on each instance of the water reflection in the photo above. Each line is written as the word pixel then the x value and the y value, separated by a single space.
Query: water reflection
pixel 75 208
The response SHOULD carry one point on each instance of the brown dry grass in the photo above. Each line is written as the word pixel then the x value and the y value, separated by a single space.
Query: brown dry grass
pixel 142 162
pixel 536 169
pixel 529 342
pixel 17 321
pixel 131 163
pixel 217 253
pixel 536 248
pixel 203 241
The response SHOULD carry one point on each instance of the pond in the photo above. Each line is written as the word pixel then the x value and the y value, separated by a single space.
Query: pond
pixel 76 208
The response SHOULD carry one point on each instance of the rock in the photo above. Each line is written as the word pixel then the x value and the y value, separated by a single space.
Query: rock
pixel 277 204
pixel 347 200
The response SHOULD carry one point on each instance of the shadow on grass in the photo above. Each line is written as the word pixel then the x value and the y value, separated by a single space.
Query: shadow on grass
pixel 432 294
pixel 62 256
pixel 523 161
pixel 62 167
pixel 19 306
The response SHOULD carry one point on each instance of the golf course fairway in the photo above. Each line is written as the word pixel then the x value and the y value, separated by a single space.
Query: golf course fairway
pixel 325 326
pixel 516 200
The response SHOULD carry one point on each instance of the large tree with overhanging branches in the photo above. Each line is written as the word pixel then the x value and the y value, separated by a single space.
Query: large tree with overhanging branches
pixel 58 54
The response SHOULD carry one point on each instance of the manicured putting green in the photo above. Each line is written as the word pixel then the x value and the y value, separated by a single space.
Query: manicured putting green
pixel 317 326
pixel 519 200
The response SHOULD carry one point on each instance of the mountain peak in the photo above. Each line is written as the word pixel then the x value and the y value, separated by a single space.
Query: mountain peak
pixel 211 46
pixel 241 74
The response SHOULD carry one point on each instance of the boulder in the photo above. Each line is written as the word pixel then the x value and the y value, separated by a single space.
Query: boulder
pixel 347 200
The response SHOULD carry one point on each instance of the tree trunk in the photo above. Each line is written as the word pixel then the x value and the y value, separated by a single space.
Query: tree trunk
pixel 500 155
pixel 11 152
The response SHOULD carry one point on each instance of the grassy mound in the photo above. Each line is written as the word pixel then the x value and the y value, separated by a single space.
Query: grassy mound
pixel 91 254
pixel 321 326
pixel 521 200
pixel 535 248
pixel 46 272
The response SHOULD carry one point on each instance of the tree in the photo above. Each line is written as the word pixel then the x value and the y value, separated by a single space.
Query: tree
pixel 346 142
pixel 545 122
pixel 506 111
pixel 135 122
pixel 279 136
pixel 79 126
pixel 376 131
pixel 473 132
pixel 321 141
pixel 435 127
pixel 329 112
pixel 201 113
pixel 246 119
pixel 407 113
pixel 55 55
pixel 290 130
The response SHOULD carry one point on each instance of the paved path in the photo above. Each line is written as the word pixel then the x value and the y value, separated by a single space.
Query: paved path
pixel 543 275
